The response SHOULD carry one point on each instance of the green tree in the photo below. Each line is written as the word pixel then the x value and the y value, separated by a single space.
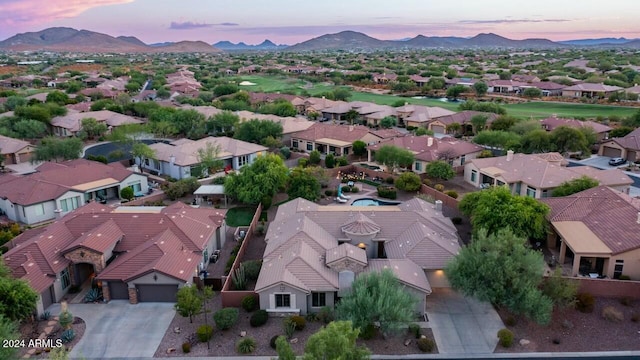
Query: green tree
pixel 314 157
pixel 496 208
pixel 268 170
pixel 388 122
pixel 455 91
pixel 58 97
pixel 8 331
pixel 223 122
pixel 17 298
pixel 92 128
pixel 127 193
pixel 454 128
pixel 359 147
pixel 408 181
pixel 225 89
pixel 351 116
pixel 532 93
pixel 536 141
pixel 14 102
pixel 439 170
pixel 502 269
pixel 189 301
pixel 256 131
pixel 29 129
pixel 336 341
pixel 524 127
pixel 330 161
pixel 503 123
pixel 142 151
pixel 421 131
pixel 480 88
pixel 620 132
pixel 53 148
pixel 567 139
pixel 284 350
pixel 303 183
pixel 377 297
pixel 479 122
pixel 505 140
pixel 393 156
pixel 560 290
pixel 574 186
pixel 341 94
pixel 208 157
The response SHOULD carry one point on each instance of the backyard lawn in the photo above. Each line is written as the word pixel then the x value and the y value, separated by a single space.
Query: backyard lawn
pixel 240 216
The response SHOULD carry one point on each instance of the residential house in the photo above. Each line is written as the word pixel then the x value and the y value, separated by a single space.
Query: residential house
pixel 580 64
pixel 117 84
pixel 55 189
pixel 383 78
pixel 337 112
pixel 179 159
pixel 332 138
pixel 314 252
pixel 597 231
pixel 419 115
pixel 133 253
pixel 627 147
pixel 590 90
pixel 601 130
pixel 441 124
pixel 468 82
pixel 505 86
pixel 71 124
pixel 548 88
pixel 525 78
pixel 419 80
pixel 428 148
pixel 634 90
pixel 536 175
pixel 97 93
pixel 290 125
pixel 15 151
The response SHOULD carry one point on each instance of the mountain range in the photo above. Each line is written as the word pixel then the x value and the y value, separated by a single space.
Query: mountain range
pixel 68 39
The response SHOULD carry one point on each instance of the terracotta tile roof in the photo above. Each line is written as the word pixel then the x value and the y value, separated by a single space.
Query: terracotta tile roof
pixel 593 87
pixel 73 121
pixel 548 85
pixel 611 215
pixel 99 239
pixel 429 148
pixel 347 133
pixel 10 145
pixel 24 266
pixel 553 122
pixel 348 251
pixel 387 133
pixel 630 141
pixel 186 151
pixel 407 272
pixel 464 117
pixel 360 225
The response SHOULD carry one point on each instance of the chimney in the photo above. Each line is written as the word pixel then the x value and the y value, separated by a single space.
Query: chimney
pixel 638 220
pixel 438 204
pixel 58 213
pixel 351 128
pixel 172 159
pixel 509 155
pixel 429 141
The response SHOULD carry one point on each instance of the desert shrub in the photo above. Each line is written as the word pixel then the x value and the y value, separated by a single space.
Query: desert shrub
pixel 272 342
pixel 67 336
pixel 346 189
pixel 456 220
pixel 249 303
pixel 355 189
pixel 289 327
pixel 259 318
pixel 312 316
pixel 626 301
pixel 368 332
pixel 559 289
pixel 390 180
pixel 252 269
pixel 452 193
pixel 426 344
pixel 299 321
pixel 226 318
pixel 414 329
pixel 612 314
pixel 204 333
pixel 326 315
pixel 328 192
pixel 186 347
pixel 246 345
pixel 45 316
pixel 510 321
pixel 585 302
pixel 624 277
pixel 342 161
pixel 505 337
pixel 65 319
pixel 303 162
pixel 387 192
pixel 427 182
pixel 439 187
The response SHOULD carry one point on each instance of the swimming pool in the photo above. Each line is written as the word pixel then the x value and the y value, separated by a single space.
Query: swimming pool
pixel 372 202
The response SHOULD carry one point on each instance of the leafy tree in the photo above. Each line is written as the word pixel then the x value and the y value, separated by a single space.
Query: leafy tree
pixel 524 127
pixel 567 139
pixel 532 93
pixel 483 107
pixel 330 161
pixel 314 157
pixel 408 181
pixel 127 193
pixel 189 302
pixel 336 341
pixel 574 186
pixel 536 141
pixel 268 170
pixel 393 156
pixel 455 91
pixel 421 131
pixel 133 86
pixel 503 123
pixel 208 157
pixel 502 269
pixel 359 147
pixel 479 122
pixel 480 88
pixel 341 94
pixel 58 97
pixel 620 132
pixel 222 122
pixel 440 170
pixel 388 122
pixel 505 140
pixel 8 331
pixel 496 208
pixel 225 89
pixel 142 151
pixel 351 116
pixel 256 131
pixel 53 148
pixel 17 298
pixel 14 102
pixel 303 183
pixel 92 128
pixel 29 129
pixel 560 290
pixel 377 297
pixel 454 128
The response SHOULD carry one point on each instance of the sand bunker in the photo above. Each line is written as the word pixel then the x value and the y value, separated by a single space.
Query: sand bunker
pixel 246 83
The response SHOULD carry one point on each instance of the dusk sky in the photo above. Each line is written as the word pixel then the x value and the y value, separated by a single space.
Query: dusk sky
pixel 293 21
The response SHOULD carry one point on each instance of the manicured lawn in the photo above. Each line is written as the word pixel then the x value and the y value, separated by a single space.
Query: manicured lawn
pixel 391 99
pixel 545 109
pixel 240 216
pixel 271 83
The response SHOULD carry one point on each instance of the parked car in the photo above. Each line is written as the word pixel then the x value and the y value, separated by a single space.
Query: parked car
pixel 617 161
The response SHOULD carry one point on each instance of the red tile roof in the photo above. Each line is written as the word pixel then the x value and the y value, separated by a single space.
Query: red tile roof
pixel 428 148
pixel 347 133
pixel 553 122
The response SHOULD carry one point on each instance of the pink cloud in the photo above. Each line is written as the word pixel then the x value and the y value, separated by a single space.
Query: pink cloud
pixel 23 12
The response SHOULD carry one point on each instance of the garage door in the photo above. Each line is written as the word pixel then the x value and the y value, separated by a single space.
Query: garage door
pixel 47 297
pixel 118 290
pixel 611 152
pixel 157 293
pixel 437 129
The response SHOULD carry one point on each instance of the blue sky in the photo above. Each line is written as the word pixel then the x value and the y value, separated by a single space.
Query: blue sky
pixel 292 21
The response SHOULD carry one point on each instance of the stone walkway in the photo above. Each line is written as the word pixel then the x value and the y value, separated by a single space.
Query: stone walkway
pixel 51 324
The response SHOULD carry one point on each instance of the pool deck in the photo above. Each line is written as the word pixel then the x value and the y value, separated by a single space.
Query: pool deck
pixel 366 192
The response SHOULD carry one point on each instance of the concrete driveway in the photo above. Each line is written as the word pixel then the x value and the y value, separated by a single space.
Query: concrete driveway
pixel 119 329
pixel 597 161
pixel 462 325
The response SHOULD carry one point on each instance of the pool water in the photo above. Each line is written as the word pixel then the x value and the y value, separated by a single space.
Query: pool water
pixel 372 202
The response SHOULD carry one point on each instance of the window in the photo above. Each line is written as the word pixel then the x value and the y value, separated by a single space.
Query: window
pixel 205 256
pixel 156 164
pixel 39 209
pixel 283 300
pixel 309 147
pixel 518 188
pixel 294 143
pixel 418 166
pixel 545 193
pixel 136 187
pixel 531 192
pixel 617 270
pixel 462 159
pixel 318 299
pixel 499 183
pixel 474 176
pixel 243 160
pixel 69 204
pixel 146 162
pixel 65 279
